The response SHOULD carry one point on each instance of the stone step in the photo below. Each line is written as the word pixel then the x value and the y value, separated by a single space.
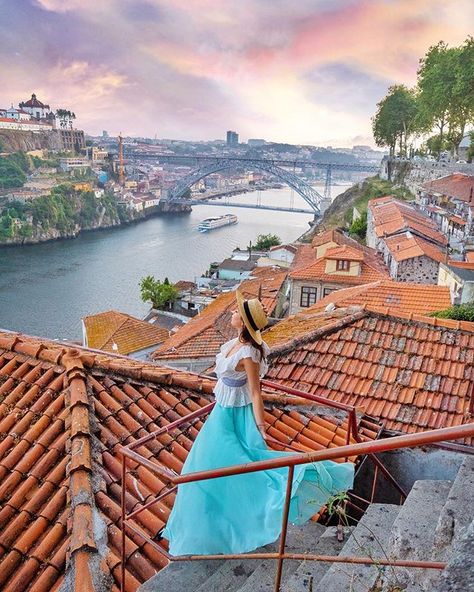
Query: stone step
pixel 458 511
pixel 413 532
pixel 181 575
pixel 300 539
pixel 459 573
pixel 308 573
pixel 232 574
pixel 369 539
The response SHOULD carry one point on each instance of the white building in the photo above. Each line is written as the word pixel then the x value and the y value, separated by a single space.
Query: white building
pixel 35 108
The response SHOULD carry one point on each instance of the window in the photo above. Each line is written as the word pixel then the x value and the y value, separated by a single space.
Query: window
pixel 343 265
pixel 308 296
pixel 327 291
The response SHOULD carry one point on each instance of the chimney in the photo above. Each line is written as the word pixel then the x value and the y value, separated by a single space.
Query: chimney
pixel 470 195
pixel 250 250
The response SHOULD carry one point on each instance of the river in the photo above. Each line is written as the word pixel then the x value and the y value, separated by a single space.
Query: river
pixel 46 289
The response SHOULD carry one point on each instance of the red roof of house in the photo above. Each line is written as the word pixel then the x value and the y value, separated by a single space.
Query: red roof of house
pixel 390 295
pixel 403 247
pixel 64 415
pixel 413 372
pixel 394 216
pixel 121 333
pixel 458 186
pixel 370 268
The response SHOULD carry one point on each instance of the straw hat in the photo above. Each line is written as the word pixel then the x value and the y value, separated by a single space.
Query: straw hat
pixel 253 316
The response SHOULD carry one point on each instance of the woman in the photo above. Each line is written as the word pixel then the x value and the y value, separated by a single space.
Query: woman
pixel 240 513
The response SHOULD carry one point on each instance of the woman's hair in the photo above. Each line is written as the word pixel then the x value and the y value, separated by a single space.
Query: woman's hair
pixel 245 335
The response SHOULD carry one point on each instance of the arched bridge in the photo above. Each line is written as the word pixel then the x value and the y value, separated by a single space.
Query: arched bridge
pixel 312 197
pixel 206 165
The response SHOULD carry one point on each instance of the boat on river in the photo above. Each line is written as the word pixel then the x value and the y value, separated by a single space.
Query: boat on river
pixel 217 222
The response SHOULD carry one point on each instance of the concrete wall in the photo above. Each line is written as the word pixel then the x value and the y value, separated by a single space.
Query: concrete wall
pixel 407 466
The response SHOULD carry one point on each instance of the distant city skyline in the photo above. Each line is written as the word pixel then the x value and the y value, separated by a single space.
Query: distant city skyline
pixel 306 72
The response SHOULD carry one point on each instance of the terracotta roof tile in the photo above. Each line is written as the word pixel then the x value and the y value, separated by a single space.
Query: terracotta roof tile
pixel 392 216
pixel 117 332
pixel 392 295
pixel 406 246
pixel 413 372
pixel 370 268
pixel 61 468
pixel 457 185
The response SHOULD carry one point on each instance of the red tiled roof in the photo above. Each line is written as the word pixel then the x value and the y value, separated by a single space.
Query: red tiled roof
pixel 457 220
pixel 413 372
pixel 336 235
pixel 305 255
pixel 64 414
pixel 348 253
pixel 203 335
pixel 396 296
pixel 370 269
pixel 404 246
pixel 393 216
pixel 461 264
pixel 128 334
pixel 457 185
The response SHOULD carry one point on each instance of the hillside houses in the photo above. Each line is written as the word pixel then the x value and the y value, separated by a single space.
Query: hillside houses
pixel 449 201
pixel 410 241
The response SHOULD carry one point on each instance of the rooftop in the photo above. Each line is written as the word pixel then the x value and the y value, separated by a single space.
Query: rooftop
pixel 63 417
pixel 389 294
pixel 392 216
pixel 121 333
pixel 458 186
pixel 203 335
pixel 407 246
pixel 411 371
pixel 370 268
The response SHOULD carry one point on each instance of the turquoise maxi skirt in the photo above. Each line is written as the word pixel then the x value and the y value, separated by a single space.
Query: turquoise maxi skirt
pixel 240 513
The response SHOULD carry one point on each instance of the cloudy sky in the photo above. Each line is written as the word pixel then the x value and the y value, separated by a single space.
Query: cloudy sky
pixel 299 71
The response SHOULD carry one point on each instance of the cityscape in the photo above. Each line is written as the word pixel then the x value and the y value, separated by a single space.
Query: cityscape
pixel 182 184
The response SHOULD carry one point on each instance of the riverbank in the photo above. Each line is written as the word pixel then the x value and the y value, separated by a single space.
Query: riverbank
pixel 113 216
pixel 46 289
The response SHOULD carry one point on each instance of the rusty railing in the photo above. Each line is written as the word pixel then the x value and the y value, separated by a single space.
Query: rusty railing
pixel 349 450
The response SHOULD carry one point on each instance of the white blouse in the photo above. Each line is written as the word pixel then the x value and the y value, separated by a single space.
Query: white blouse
pixel 236 396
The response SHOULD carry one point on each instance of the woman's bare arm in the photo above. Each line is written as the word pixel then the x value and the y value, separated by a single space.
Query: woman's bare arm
pixel 253 377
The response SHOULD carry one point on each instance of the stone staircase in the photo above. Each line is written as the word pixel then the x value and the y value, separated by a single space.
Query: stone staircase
pixel 437 517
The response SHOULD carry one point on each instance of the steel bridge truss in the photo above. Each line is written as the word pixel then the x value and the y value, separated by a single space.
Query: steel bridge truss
pixel 312 197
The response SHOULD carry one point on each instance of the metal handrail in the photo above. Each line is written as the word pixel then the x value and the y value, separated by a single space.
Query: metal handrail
pixel 393 443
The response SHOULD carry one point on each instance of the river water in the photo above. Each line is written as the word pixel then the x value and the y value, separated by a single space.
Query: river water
pixel 46 289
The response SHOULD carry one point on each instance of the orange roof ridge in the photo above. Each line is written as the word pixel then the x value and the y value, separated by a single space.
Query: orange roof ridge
pixel 82 544
pixel 330 327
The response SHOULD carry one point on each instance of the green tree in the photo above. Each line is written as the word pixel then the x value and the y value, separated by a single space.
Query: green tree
pixel 358 227
pixel 446 92
pixel 265 241
pixel 458 312
pixel 396 119
pixel 160 294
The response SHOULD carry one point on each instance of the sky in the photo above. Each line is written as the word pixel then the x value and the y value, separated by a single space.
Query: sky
pixel 297 71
